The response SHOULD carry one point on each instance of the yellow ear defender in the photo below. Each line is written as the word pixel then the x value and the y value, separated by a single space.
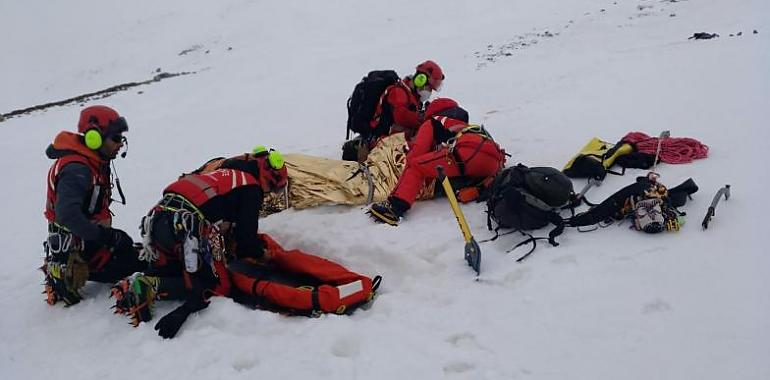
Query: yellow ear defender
pixel 420 80
pixel 93 139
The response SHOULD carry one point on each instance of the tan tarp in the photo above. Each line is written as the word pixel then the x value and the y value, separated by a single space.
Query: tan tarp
pixel 315 181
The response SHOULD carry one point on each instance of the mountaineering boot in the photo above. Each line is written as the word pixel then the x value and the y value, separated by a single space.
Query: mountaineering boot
pixel 382 212
pixel 134 296
pixel 65 274
pixel 678 195
pixel 56 288
pixel 389 212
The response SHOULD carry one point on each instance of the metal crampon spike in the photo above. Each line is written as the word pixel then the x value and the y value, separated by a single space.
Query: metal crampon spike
pixel 134 321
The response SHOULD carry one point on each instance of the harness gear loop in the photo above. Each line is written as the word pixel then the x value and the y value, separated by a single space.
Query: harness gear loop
pixel 186 217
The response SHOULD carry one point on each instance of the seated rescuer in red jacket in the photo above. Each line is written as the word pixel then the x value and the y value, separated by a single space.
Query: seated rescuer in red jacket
pixel 400 106
pixel 184 237
pixel 81 244
pixel 444 139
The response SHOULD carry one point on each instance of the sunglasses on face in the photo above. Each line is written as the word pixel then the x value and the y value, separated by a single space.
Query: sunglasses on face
pixel 114 127
pixel 117 139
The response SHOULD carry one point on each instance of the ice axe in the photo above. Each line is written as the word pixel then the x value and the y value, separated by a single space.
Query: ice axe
pixel 472 250
pixel 710 213
pixel 663 135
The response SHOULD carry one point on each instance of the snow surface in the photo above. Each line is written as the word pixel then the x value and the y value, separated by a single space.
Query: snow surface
pixel 544 76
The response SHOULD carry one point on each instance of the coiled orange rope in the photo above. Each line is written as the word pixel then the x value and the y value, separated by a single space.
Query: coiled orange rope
pixel 673 150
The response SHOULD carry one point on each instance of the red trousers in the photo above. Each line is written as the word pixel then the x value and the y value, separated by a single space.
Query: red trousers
pixel 339 288
pixel 480 157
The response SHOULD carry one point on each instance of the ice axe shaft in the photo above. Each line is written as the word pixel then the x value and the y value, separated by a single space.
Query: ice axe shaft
pixel 663 135
pixel 472 250
pixel 712 208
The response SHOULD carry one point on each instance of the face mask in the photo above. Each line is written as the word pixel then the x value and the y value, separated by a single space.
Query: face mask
pixel 424 95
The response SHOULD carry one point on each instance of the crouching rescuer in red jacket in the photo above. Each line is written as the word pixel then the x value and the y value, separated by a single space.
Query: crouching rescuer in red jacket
pixel 201 240
pixel 400 106
pixel 82 244
pixel 444 139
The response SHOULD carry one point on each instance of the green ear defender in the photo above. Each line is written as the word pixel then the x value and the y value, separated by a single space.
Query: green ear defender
pixel 274 157
pixel 420 80
pixel 93 139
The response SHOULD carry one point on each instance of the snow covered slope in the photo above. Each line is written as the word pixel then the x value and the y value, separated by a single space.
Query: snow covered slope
pixel 544 76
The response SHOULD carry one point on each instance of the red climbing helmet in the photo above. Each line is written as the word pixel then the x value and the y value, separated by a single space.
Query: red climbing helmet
pixel 435 76
pixel 105 118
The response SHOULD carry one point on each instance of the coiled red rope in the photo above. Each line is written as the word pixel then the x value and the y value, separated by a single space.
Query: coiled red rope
pixel 673 150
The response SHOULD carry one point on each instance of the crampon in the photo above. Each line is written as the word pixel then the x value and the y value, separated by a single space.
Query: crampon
pixel 50 295
pixel 55 288
pixel 134 297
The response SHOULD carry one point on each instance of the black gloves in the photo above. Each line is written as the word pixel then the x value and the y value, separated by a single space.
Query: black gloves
pixel 169 325
pixel 255 251
pixel 117 240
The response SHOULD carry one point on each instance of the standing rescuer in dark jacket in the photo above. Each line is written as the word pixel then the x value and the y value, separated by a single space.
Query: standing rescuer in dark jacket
pixel 81 244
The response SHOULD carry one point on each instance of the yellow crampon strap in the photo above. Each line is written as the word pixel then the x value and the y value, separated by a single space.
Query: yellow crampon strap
pixel 54 270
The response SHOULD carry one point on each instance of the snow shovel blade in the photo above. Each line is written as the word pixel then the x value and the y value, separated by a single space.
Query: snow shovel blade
pixel 473 255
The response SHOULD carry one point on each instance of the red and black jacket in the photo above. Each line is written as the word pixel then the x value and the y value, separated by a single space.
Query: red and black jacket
pixel 78 187
pixel 231 193
pixel 399 106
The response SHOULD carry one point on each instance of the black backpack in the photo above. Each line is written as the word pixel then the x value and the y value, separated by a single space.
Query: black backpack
pixel 614 207
pixel 363 101
pixel 523 199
